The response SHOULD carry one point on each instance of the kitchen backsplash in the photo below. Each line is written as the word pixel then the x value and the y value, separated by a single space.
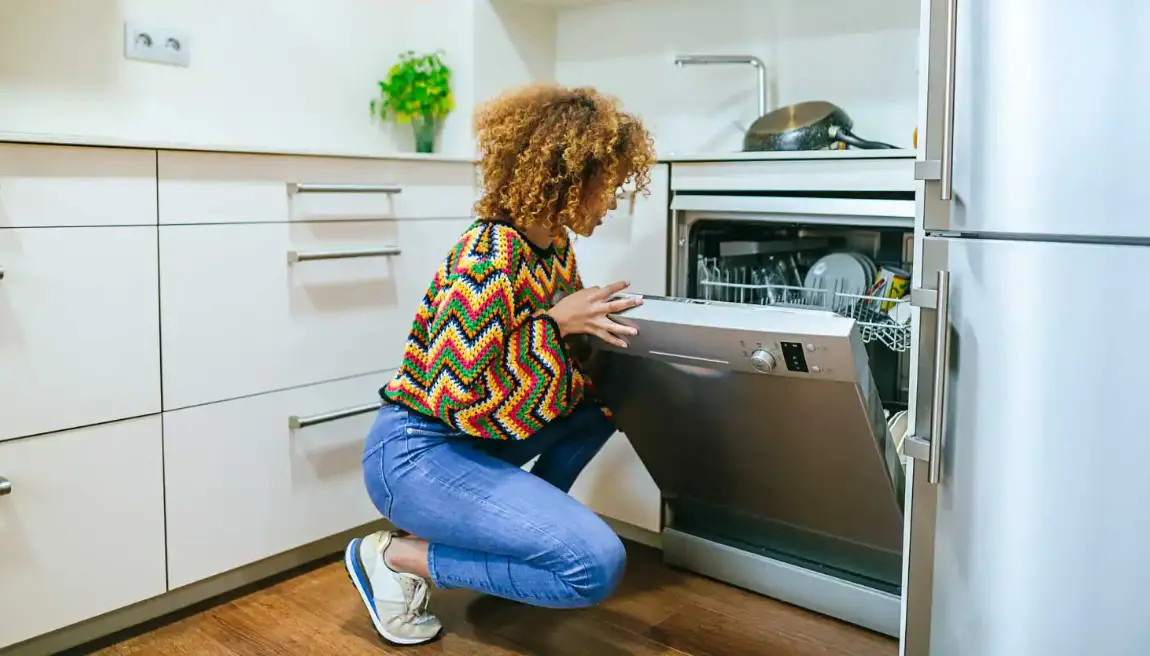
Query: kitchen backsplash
pixel 859 54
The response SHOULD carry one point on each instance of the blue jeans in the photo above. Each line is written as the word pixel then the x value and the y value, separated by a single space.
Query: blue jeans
pixel 491 526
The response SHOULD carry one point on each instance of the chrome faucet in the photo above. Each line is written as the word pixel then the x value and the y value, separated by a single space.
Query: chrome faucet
pixel 692 60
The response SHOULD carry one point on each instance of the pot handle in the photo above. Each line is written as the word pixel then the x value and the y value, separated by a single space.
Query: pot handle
pixel 850 139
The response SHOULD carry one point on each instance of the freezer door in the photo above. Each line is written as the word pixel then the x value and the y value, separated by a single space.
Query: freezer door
pixel 1042 532
pixel 1048 138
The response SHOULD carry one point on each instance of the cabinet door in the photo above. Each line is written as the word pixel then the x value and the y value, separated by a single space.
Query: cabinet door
pixel 630 245
pixel 79 327
pixel 242 484
pixel 632 242
pixel 82 529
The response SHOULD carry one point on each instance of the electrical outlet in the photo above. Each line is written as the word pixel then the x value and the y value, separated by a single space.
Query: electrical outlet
pixel 159 45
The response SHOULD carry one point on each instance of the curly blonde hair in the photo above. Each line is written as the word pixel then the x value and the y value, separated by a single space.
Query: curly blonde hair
pixel 545 150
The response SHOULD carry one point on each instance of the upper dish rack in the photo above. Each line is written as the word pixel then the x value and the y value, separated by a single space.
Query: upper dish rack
pixel 871 313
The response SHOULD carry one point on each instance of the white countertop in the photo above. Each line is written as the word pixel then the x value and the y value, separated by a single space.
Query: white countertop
pixel 112 142
pixel 787 155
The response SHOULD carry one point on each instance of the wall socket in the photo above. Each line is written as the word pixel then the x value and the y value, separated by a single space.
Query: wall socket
pixel 159 45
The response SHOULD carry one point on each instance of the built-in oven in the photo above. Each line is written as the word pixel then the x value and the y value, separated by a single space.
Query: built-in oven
pixel 767 393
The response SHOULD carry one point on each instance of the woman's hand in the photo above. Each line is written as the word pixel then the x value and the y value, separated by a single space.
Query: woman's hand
pixel 585 313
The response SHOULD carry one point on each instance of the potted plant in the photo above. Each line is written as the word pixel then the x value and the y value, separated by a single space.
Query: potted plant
pixel 417 90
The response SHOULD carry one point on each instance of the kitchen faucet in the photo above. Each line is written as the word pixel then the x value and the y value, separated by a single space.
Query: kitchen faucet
pixel 691 60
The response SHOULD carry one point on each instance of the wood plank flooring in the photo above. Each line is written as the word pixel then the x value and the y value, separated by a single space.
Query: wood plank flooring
pixel 657 611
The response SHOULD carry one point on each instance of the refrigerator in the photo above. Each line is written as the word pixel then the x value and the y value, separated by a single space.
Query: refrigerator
pixel 1027 528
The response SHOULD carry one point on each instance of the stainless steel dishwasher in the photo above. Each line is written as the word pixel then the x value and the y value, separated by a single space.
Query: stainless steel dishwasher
pixel 759 394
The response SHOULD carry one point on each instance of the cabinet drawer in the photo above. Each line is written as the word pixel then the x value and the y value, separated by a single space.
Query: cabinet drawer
pixel 82 531
pixel 240 319
pixel 79 327
pixel 242 485
pixel 227 188
pixel 47 186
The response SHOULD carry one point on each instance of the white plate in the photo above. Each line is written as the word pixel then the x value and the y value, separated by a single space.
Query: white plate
pixel 837 272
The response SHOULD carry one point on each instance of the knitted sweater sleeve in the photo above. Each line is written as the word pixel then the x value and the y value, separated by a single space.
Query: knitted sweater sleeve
pixel 497 374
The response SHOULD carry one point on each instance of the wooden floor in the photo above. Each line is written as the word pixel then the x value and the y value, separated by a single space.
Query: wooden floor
pixel 656 611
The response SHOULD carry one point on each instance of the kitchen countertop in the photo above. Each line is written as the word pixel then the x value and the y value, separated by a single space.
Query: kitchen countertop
pixel 672 157
pixel 113 142
pixel 791 155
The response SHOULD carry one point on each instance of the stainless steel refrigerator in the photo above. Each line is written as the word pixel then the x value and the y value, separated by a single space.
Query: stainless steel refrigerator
pixel 1028 517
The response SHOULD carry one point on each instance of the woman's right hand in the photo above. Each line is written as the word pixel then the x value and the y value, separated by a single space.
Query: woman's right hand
pixel 586 313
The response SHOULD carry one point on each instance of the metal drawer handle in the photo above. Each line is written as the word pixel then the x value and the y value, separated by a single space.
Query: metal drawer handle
pixel 929 447
pixel 305 256
pixel 946 174
pixel 5 487
pixel 301 188
pixel 296 422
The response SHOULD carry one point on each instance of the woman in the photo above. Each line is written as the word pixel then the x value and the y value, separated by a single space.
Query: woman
pixel 489 382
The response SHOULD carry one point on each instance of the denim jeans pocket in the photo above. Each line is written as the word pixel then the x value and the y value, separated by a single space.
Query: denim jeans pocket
pixel 422 426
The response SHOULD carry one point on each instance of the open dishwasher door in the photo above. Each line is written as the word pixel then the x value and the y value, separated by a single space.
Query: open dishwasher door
pixel 765 434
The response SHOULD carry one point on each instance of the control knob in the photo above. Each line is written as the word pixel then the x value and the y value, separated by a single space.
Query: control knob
pixel 763 361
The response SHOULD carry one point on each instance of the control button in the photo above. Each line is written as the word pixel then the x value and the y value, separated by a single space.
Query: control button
pixel 816 369
pixel 811 348
pixel 762 361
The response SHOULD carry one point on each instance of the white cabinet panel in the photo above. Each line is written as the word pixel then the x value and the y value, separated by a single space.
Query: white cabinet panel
pixel 234 188
pixel 241 485
pixel 82 531
pixel 51 186
pixel 617 485
pixel 240 319
pixel 632 242
pixel 79 327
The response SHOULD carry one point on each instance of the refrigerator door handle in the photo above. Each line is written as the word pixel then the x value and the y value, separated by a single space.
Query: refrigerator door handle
pixel 946 174
pixel 929 447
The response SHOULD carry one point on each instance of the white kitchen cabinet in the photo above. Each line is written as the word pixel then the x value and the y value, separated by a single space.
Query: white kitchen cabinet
pixel 199 188
pixel 82 529
pixel 632 242
pixel 79 327
pixel 239 318
pixel 630 245
pixel 55 186
pixel 242 484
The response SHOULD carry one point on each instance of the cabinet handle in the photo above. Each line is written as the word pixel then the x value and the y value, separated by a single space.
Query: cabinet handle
pixel 296 422
pixel 302 188
pixel 929 447
pixel 1 273
pixel 305 256
pixel 5 487
pixel 946 174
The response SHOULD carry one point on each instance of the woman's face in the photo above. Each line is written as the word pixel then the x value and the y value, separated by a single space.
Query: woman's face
pixel 602 196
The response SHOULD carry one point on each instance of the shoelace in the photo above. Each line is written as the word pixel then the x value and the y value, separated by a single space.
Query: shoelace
pixel 416 596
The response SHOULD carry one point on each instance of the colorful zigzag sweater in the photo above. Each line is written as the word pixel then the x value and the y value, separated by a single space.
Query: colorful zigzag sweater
pixel 483 356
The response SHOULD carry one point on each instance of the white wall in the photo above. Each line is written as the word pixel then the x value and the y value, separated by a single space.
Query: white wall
pixel 859 54
pixel 275 74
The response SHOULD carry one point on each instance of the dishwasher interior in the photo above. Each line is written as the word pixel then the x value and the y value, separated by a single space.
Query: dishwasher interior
pixel 767 398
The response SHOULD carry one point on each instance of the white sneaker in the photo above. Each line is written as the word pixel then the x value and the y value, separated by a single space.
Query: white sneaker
pixel 396 602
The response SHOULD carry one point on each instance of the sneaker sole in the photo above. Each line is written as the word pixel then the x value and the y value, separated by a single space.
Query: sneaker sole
pixel 358 576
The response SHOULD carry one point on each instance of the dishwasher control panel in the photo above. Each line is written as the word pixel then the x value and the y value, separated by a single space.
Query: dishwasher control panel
pixel 757 340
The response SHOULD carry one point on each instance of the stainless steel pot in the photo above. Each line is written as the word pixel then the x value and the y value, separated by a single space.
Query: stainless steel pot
pixel 816 125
